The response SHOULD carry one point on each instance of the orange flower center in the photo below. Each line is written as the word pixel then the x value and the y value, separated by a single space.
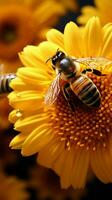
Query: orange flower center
pixel 8 33
pixel 16 29
pixel 85 127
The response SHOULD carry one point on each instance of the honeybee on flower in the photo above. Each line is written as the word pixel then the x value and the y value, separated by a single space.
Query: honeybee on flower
pixel 68 70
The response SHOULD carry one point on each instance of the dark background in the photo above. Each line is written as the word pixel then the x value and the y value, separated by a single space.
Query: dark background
pixel 71 16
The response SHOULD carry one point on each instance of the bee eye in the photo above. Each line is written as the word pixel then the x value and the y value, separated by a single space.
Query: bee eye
pixel 61 55
pixel 54 61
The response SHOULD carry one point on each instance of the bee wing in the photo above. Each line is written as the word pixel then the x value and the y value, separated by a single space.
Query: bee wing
pixel 53 91
pixel 95 62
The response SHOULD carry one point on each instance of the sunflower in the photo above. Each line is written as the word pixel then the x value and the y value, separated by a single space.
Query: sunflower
pixel 25 22
pixel 102 9
pixel 69 142
pixel 12 188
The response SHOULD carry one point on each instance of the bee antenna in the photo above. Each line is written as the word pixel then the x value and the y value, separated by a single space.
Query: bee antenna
pixel 51 57
pixel 57 49
pixel 48 59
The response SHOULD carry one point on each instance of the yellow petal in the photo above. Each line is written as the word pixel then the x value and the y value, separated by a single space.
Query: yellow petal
pixel 12 116
pixel 87 13
pixel 49 13
pixel 48 155
pixel 35 77
pixel 31 122
pixel 56 37
pixel 103 4
pixel 72 39
pixel 107 41
pixel 72 5
pixel 101 163
pixel 37 140
pixel 26 100
pixel 59 163
pixel 47 50
pixel 66 172
pixel 92 38
pixel 17 141
pixel 31 57
pixel 80 168
pixel 28 57
pixel 19 85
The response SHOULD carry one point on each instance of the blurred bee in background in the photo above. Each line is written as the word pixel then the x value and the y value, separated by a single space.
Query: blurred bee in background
pixel 68 69
pixel 5 82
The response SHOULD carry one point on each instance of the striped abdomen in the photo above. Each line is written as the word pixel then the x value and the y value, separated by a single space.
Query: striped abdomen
pixel 4 82
pixel 86 91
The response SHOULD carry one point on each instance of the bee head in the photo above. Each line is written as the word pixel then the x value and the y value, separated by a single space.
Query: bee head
pixel 59 55
pixel 57 58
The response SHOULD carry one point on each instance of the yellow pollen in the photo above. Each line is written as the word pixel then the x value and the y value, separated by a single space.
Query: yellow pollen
pixel 85 127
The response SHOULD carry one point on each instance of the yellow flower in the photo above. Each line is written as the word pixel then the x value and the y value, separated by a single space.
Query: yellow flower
pixel 102 9
pixel 12 188
pixel 71 143
pixel 22 23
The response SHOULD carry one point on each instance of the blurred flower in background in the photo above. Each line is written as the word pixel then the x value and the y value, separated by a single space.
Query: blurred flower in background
pixel 24 22
pixel 12 188
pixel 46 184
pixel 69 142
pixel 102 9
pixel 7 157
pixel 4 111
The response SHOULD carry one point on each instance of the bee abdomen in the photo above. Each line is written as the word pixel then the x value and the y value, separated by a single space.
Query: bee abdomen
pixel 91 97
pixel 5 81
pixel 86 91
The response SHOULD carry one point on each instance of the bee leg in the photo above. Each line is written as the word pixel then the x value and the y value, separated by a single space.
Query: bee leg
pixel 67 95
pixel 95 71
pixel 87 70
pixel 98 73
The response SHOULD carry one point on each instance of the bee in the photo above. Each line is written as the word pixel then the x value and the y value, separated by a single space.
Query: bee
pixel 5 82
pixel 68 69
